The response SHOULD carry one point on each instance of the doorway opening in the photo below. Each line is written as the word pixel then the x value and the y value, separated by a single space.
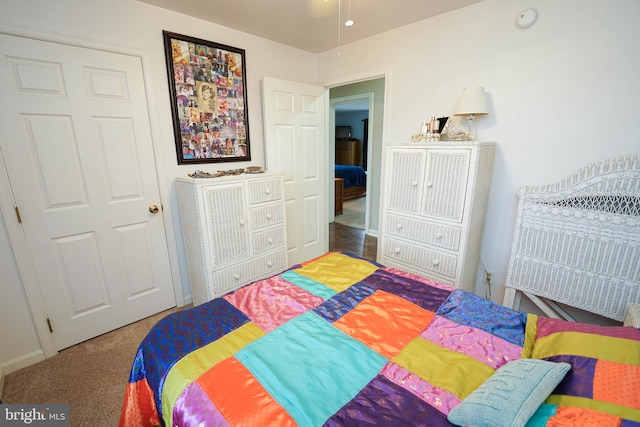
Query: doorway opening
pixel 351 140
pixel 356 119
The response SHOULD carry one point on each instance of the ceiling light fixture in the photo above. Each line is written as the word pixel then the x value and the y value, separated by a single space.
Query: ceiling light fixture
pixel 349 21
pixel 339 26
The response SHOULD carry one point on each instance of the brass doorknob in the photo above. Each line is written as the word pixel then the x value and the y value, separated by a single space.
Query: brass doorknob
pixel 154 209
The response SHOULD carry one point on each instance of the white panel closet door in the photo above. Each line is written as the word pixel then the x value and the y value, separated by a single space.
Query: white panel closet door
pixel 295 144
pixel 76 139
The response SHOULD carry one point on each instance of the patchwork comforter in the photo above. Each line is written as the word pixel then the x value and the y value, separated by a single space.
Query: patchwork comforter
pixel 343 341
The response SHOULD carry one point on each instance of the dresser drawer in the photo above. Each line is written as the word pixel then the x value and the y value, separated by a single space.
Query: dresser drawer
pixel 267 240
pixel 423 258
pixel 265 190
pixel 441 235
pixel 266 216
pixel 231 278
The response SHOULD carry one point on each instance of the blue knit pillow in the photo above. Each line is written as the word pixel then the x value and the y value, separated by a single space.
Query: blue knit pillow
pixel 511 395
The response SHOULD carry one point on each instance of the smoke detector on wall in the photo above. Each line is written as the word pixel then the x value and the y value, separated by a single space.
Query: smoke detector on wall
pixel 527 18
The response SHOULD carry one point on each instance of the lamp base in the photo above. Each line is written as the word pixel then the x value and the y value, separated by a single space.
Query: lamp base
pixel 470 126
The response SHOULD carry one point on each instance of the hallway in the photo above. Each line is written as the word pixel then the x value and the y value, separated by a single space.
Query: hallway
pixel 350 239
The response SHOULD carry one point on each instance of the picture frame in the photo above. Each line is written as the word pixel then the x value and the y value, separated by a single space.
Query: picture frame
pixel 207 87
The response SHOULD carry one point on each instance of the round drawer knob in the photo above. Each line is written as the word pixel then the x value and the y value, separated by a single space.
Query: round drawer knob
pixel 242 222
pixel 269 264
pixel 414 183
pixel 269 216
pixel 397 250
pixel 438 235
pixel 429 184
pixel 399 225
pixel 267 191
pixel 236 276
pixel 435 262
pixel 270 241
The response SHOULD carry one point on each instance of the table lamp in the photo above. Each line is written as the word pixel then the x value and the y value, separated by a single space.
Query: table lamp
pixel 473 102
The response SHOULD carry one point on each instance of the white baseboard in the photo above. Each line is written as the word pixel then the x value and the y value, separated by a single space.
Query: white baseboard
pixel 187 300
pixel 22 362
pixel 18 363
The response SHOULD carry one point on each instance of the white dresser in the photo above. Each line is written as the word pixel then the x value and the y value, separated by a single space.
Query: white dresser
pixel 433 207
pixel 234 230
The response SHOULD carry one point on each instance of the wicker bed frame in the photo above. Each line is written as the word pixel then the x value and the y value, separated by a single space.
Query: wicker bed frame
pixel 577 242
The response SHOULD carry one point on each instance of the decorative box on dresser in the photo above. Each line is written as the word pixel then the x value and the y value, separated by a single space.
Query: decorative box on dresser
pixel 234 230
pixel 433 208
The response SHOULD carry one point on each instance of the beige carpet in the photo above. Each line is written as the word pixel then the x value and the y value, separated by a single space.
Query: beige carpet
pixel 91 377
pixel 353 212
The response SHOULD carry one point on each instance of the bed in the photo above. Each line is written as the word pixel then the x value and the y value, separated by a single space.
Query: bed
pixel 344 341
pixel 355 180
pixel 577 242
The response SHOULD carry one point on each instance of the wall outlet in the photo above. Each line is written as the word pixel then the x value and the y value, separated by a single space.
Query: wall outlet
pixel 487 281
pixel 487 277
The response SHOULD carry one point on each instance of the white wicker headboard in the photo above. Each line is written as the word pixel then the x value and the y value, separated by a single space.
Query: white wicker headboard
pixel 577 242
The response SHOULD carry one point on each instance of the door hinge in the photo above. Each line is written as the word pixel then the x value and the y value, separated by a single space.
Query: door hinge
pixel 18 215
pixel 49 324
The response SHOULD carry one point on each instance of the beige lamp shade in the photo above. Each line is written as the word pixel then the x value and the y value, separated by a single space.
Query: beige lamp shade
pixel 472 103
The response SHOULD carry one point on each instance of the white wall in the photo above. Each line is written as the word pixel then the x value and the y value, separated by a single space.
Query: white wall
pixel 135 26
pixel 353 119
pixel 563 93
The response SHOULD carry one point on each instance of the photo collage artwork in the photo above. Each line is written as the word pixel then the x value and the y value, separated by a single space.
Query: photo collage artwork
pixel 209 92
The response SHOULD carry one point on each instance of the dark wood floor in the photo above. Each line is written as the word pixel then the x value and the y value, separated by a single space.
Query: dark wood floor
pixel 354 240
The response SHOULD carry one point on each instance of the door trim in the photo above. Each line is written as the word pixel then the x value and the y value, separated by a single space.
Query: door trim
pixel 384 73
pixel 17 238
pixel 366 96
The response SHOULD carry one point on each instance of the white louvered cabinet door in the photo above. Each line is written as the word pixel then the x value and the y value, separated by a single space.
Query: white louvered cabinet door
pixel 406 179
pixel 446 184
pixel 226 222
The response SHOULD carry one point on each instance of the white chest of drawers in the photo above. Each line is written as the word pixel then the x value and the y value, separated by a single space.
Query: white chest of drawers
pixel 432 213
pixel 234 230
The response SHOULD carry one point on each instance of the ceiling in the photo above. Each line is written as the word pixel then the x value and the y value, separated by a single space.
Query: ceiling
pixel 312 25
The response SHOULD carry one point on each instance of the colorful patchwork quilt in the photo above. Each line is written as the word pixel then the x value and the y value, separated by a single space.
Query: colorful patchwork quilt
pixel 340 340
